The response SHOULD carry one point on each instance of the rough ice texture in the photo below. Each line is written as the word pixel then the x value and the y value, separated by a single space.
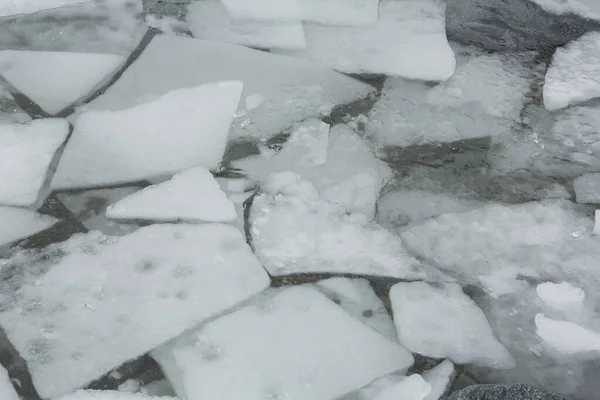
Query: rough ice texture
pixel 109 395
pixel 560 295
pixel 321 157
pixel 587 188
pixel 208 19
pixel 504 392
pixel 10 112
pixel 193 195
pixel 7 391
pixel 55 80
pixel 409 40
pixel 101 26
pixel 441 321
pixel 26 151
pixel 357 298
pixel 296 231
pixel 574 73
pixel 296 343
pixel 483 98
pixel 295 89
pixel 585 8
pixel 18 223
pixel 179 130
pixel 440 378
pixel 104 300
pixel 566 337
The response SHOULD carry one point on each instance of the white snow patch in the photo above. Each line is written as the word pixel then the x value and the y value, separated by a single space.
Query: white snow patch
pixel 409 40
pixel 109 395
pixel 587 188
pixel 561 295
pixel 11 7
pixel 55 80
pixel 296 343
pixel 441 321
pixel 440 378
pixel 179 130
pixel 26 151
pixel 574 73
pixel 193 195
pixel 566 337
pixel 105 300
pixel 18 223
pixel 7 391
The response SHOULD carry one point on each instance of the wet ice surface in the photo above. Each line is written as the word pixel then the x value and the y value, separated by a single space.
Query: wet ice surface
pixel 446 207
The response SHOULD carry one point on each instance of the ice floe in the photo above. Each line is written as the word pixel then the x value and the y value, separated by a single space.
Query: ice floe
pixel 179 130
pixel 410 388
pixel 7 391
pixel 566 337
pixel 26 151
pixel 109 395
pixel 24 7
pixel 561 296
pixel 586 8
pixel 587 188
pixel 440 378
pixel 104 300
pixel 18 223
pixel 295 343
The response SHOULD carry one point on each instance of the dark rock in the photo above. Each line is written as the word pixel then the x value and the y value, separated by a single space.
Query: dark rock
pixel 512 25
pixel 504 392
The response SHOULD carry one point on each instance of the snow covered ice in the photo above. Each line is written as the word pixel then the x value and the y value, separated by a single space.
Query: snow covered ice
pixel 193 195
pixel 18 223
pixel 441 321
pixel 7 391
pixel 440 379
pixel 54 80
pixel 74 324
pixel 179 130
pixel 296 343
pixel 26 151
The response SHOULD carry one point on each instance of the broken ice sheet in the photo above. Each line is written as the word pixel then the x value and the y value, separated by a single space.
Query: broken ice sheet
pixel 409 40
pixel 441 321
pixel 26 151
pixel 101 26
pixel 109 395
pixel 7 391
pixel 574 73
pixel 18 223
pixel 208 19
pixel 55 80
pixel 74 324
pixel 295 89
pixel 192 195
pixel 179 130
pixel 295 343
pixel 294 230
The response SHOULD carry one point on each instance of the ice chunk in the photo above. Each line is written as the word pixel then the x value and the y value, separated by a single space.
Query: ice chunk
pixel 586 8
pixel 561 295
pixel 101 26
pixel 358 299
pixel 179 130
pixel 26 151
pixel 24 7
pixel 441 321
pixel 322 159
pixel 130 385
pixel 166 24
pixel 296 231
pixel 566 337
pixel 209 20
pixel 294 91
pixel 440 378
pixel 10 112
pixel 192 195
pixel 105 300
pixel 18 223
pixel 574 73
pixel 587 188
pixel 409 40
pixel 264 10
pixel 54 80
pixel 7 391
pixel 410 388
pixel 109 395
pixel 296 343
pixel 596 230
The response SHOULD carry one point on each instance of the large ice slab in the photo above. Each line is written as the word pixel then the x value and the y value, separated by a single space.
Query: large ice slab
pixel 293 343
pixel 7 391
pixel 566 337
pixel 208 19
pixel 585 8
pixel 587 188
pixel 295 231
pixel 109 395
pixel 409 40
pixel 105 300
pixel 574 73
pixel 18 223
pixel 26 151
pixel 441 321
pixel 321 157
pixel 179 130
pixel 294 91
pixel 192 195
pixel 54 80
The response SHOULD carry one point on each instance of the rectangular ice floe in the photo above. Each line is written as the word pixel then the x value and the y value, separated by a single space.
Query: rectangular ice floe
pixel 18 223
pixel 179 130
pixel 26 151
pixel 208 19
pixel 294 90
pixel 104 300
pixel 7 391
pixel 289 343
pixel 409 40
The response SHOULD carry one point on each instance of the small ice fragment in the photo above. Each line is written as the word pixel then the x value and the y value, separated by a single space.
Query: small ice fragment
pixel 130 385
pixel 566 337
pixel 7 391
pixel 560 295
pixel 440 378
pixel 587 188
pixel 413 387
pixel 17 223
pixel 596 230
pixel 253 101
